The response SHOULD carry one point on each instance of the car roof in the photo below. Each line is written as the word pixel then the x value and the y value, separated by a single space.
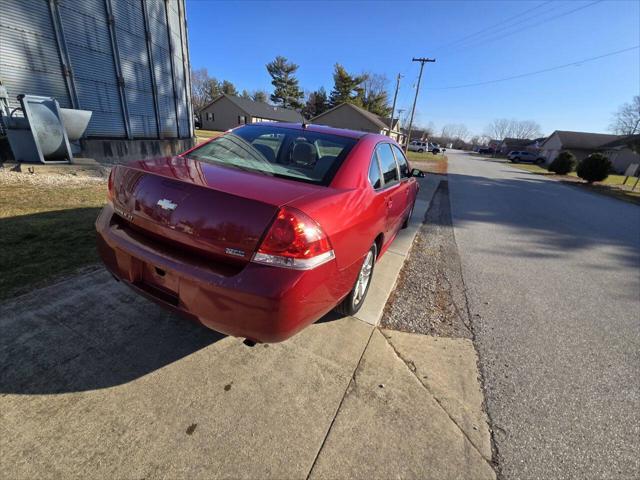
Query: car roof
pixel 309 127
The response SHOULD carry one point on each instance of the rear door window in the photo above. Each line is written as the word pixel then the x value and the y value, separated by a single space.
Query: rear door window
pixel 387 163
pixel 374 173
pixel 402 162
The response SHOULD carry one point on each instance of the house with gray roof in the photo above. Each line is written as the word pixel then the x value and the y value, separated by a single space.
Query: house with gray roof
pixel 581 144
pixel 228 111
pixel 623 152
pixel 352 117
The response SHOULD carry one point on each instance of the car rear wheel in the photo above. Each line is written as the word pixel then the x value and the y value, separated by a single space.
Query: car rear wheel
pixel 420 150
pixel 352 302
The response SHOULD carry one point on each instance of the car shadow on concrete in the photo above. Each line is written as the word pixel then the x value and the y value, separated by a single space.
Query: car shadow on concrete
pixel 92 332
pixel 87 333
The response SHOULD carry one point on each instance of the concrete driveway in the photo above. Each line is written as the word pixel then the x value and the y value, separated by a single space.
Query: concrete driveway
pixel 97 382
pixel 553 278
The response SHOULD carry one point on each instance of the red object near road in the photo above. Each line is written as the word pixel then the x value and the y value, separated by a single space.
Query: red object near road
pixel 261 231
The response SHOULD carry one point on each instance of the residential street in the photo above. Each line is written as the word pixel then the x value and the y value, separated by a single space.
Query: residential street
pixel 553 280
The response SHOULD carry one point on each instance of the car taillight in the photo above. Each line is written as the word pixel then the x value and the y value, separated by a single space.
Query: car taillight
pixel 110 185
pixel 294 241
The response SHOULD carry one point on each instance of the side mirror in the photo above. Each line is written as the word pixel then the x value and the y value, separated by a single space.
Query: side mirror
pixel 417 173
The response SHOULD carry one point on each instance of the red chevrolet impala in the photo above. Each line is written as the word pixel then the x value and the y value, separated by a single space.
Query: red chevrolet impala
pixel 261 231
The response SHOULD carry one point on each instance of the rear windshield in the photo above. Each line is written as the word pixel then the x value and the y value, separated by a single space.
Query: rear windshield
pixel 280 152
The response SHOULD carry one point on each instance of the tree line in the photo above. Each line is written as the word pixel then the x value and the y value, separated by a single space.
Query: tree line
pixel 367 90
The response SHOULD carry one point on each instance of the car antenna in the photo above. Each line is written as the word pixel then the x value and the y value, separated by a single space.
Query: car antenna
pixel 304 123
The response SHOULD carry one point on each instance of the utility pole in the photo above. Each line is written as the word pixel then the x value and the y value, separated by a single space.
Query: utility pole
pixel 393 109
pixel 422 61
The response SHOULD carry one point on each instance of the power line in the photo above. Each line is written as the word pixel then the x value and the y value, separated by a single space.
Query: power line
pixel 494 25
pixel 550 69
pixel 519 29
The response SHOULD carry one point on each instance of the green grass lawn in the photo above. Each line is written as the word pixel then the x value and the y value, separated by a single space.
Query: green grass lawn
pixel 46 230
pixel 612 185
pixel 426 157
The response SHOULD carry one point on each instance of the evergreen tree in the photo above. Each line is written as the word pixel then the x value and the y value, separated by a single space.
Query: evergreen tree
pixel 316 104
pixel 286 91
pixel 259 96
pixel 346 88
pixel 245 94
pixel 213 87
pixel 227 87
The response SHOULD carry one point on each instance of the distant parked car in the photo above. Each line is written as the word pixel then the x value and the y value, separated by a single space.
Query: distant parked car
pixel 522 156
pixel 420 146
pixel 486 151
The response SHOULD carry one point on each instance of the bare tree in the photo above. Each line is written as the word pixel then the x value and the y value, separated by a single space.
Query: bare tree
pixel 524 129
pixel 626 120
pixel 498 129
pixel 200 88
pixel 374 95
pixel 455 131
pixel 502 128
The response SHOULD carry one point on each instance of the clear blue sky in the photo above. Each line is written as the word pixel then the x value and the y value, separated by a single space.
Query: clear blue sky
pixel 234 41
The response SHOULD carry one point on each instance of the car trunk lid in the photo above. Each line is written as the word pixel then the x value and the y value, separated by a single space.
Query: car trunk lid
pixel 212 210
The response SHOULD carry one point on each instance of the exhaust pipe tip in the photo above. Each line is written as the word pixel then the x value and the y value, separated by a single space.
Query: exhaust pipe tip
pixel 249 343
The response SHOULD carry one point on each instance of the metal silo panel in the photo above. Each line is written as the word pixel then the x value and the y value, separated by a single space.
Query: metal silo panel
pixel 29 56
pixel 162 68
pixel 187 64
pixel 178 67
pixel 92 59
pixel 136 71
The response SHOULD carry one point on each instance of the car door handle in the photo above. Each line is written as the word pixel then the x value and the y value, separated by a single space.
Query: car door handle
pixel 390 204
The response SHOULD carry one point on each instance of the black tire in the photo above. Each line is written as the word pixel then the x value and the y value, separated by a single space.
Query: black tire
pixel 420 150
pixel 515 160
pixel 351 304
pixel 539 161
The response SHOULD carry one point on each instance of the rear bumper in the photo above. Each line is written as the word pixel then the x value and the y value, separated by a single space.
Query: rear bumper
pixel 259 302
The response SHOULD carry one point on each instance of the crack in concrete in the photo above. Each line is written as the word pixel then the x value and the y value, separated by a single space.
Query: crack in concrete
pixel 408 363
pixel 344 396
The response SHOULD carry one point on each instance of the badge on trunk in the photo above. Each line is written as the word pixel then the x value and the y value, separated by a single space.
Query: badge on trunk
pixel 166 204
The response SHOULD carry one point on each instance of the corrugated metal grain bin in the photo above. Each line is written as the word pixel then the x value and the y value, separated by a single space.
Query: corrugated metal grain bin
pixel 125 60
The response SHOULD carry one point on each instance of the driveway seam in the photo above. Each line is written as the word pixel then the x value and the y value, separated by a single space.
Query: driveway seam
pixel 409 364
pixel 344 395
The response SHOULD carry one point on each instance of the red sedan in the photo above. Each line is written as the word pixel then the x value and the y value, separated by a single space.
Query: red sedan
pixel 261 231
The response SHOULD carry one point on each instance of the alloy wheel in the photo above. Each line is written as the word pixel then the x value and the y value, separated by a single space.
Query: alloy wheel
pixel 364 277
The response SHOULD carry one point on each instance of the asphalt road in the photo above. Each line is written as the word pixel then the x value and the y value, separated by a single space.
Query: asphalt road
pixel 553 282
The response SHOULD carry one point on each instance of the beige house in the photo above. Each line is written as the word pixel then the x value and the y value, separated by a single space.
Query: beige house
pixel 228 111
pixel 623 152
pixel 352 117
pixel 581 144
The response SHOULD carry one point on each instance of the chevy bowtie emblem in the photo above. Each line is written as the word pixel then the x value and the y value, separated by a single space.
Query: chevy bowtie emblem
pixel 166 204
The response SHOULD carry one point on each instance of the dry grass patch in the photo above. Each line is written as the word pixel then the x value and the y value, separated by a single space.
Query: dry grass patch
pixel 46 227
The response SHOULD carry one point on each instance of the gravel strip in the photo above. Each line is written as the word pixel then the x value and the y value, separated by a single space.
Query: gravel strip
pixel 430 297
pixel 8 177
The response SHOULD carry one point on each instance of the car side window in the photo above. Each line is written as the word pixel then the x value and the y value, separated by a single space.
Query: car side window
pixel 387 163
pixel 402 162
pixel 375 178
